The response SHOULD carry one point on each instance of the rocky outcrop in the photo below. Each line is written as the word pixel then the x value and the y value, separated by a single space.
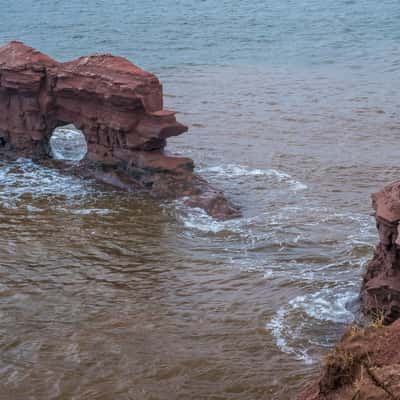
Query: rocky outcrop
pixel 117 106
pixel 380 291
pixel 365 365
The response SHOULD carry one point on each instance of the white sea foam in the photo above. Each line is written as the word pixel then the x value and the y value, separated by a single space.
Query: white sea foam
pixel 97 211
pixel 198 219
pixel 326 305
pixel 280 332
pixel 289 324
pixel 88 211
pixel 236 171
pixel 268 274
pixel 232 171
pixel 33 209
pixel 22 180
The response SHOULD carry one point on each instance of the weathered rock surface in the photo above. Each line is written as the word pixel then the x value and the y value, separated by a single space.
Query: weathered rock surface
pixel 380 291
pixel 117 106
pixel 365 365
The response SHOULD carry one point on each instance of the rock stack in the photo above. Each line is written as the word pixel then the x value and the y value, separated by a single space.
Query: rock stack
pixel 118 107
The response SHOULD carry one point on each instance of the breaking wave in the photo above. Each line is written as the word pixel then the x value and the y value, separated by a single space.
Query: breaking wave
pixel 322 310
pixel 25 184
pixel 234 171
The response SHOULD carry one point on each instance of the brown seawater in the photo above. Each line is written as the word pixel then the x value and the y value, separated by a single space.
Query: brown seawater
pixel 295 115
pixel 106 295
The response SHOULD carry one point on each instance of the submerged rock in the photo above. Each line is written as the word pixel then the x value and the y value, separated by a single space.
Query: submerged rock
pixel 118 107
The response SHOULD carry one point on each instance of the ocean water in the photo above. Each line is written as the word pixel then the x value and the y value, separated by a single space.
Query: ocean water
pixel 293 110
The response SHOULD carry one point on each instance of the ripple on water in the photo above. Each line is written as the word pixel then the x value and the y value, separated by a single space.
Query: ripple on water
pixel 26 184
pixel 309 322
pixel 236 171
pixel 293 245
pixel 100 315
pixel 270 245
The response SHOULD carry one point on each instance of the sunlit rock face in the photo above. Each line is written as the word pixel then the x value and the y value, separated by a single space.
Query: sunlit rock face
pixel 119 109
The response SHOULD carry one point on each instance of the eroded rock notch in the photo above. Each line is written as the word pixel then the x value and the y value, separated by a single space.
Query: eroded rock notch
pixel 118 107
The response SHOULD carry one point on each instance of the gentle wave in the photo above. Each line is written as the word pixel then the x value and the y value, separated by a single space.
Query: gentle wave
pixel 276 227
pixel 198 219
pixel 22 182
pixel 279 331
pixel 326 305
pixel 237 171
pixel 329 305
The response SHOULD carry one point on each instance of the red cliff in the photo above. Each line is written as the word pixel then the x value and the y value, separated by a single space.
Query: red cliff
pixel 380 291
pixel 117 106
pixel 365 365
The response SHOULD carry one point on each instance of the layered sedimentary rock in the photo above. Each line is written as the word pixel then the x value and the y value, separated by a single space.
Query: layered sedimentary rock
pixel 365 365
pixel 117 106
pixel 380 291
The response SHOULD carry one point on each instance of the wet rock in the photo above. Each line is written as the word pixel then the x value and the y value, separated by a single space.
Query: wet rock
pixel 119 109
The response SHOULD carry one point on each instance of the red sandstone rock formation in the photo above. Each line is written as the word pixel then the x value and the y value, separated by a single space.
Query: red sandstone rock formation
pixel 364 366
pixel 380 291
pixel 117 106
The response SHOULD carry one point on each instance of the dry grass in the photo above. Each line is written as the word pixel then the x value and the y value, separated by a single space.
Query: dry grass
pixel 378 320
pixel 355 331
pixel 340 369
pixel 358 384
pixel 339 357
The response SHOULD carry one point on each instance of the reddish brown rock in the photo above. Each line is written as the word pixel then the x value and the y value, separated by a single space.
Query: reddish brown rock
pixel 380 291
pixel 365 365
pixel 117 106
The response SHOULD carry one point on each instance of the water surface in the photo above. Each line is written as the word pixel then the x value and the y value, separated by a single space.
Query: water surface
pixel 293 110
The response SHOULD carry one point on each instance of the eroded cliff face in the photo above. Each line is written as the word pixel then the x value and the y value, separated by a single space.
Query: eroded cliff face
pixel 117 106
pixel 365 365
pixel 380 291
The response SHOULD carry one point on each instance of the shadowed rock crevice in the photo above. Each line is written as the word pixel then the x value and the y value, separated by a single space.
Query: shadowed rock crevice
pixel 119 109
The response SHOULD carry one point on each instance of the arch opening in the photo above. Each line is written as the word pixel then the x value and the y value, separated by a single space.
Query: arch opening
pixel 68 143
